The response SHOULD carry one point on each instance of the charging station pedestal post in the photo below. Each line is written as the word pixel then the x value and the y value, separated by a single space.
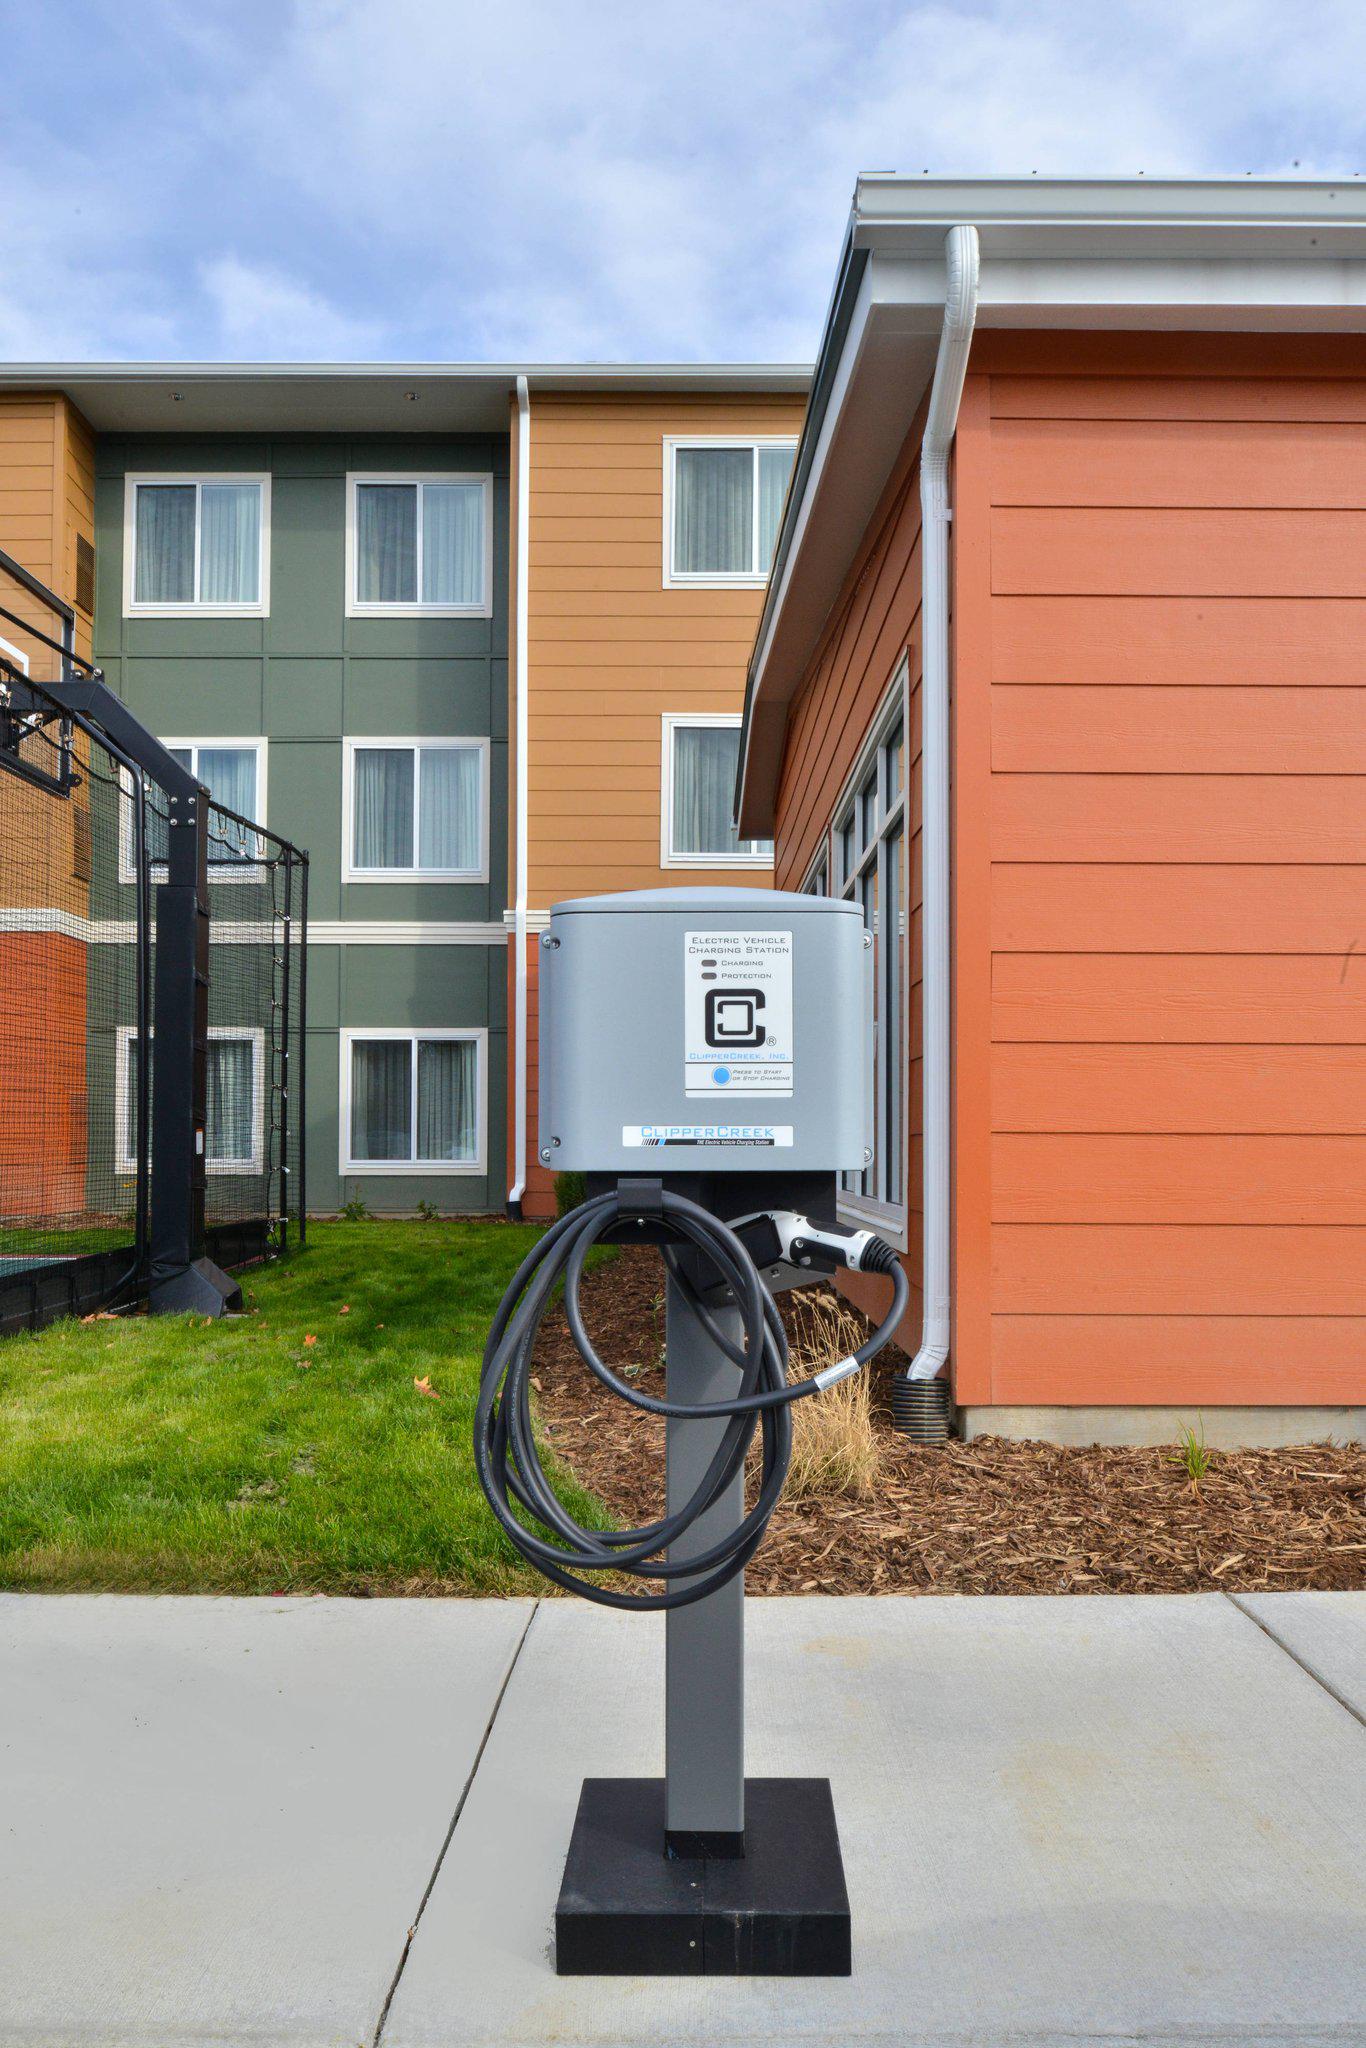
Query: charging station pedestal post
pixel 760 1008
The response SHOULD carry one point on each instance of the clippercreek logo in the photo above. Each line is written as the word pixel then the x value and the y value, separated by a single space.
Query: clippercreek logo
pixel 651 1135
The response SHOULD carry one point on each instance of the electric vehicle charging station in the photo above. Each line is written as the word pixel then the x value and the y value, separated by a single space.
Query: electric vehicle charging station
pixel 706 1063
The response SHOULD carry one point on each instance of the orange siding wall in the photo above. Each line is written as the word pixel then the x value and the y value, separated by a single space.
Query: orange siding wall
pixel 1159 620
pixel 873 624
pixel 1160 876
pixel 46 502
pixel 611 650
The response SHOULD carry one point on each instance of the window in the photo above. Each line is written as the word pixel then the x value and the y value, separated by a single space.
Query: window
pixel 233 1124
pixel 700 756
pixel 234 773
pixel 418 544
pixel 412 1101
pixel 868 866
pixel 196 544
pixel 723 503
pixel 416 810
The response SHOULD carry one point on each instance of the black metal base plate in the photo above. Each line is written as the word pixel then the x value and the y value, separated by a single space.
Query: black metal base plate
pixel 627 1910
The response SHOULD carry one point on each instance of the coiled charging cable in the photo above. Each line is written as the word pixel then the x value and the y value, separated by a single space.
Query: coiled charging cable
pixel 505 1450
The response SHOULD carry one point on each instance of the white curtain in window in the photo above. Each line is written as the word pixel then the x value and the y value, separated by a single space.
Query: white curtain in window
pixel 448 812
pixel 713 511
pixel 705 758
pixel 230 544
pixel 381 1099
pixel 775 467
pixel 452 543
pixel 163 570
pixel 383 835
pixel 229 1118
pixel 130 1108
pixel 386 543
pixel 447 1121
pixel 229 775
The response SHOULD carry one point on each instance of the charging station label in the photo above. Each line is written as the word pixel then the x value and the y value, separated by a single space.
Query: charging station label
pixel 737 1013
pixel 647 1135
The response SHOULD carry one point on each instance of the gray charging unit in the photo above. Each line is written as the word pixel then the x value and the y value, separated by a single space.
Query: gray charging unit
pixel 715 1042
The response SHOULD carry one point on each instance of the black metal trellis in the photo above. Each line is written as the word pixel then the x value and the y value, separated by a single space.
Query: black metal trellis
pixel 153 979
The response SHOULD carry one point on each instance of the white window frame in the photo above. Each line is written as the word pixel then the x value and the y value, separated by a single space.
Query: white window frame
pixel 415 1168
pixel 671 722
pixel 356 608
pixel 133 608
pixel 14 655
pixel 891 1217
pixel 126 1164
pixel 219 871
pixel 716 579
pixel 447 741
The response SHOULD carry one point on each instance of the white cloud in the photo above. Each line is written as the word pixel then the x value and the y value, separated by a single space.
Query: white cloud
pixel 260 314
pixel 421 178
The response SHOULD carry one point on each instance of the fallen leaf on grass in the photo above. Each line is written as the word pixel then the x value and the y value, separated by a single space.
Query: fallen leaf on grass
pixel 344 1310
pixel 310 1340
pixel 424 1386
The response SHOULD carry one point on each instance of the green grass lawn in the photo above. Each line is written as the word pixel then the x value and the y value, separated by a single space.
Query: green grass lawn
pixel 288 1450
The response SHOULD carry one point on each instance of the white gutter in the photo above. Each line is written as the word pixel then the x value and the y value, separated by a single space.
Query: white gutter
pixel 521 725
pixel 962 256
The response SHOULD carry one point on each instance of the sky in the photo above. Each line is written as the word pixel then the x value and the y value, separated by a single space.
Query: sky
pixel 573 180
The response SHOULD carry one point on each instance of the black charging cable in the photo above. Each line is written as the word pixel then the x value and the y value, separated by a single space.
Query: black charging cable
pixel 506 1455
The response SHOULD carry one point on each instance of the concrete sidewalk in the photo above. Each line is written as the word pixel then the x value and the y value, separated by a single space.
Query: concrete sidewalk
pixel 1064 1821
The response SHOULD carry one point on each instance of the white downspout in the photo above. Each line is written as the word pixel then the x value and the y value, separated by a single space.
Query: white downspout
pixel 962 257
pixel 520 729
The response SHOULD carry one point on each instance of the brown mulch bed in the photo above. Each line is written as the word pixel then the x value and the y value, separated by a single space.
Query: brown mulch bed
pixel 986 1517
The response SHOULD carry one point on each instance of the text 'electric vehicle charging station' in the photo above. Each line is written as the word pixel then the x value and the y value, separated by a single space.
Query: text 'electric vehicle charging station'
pixel 706 1063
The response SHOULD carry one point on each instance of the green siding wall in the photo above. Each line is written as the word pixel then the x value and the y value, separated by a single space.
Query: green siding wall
pixel 306 677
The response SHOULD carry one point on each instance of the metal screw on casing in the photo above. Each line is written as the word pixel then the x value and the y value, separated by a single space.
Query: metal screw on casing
pixel 867 1155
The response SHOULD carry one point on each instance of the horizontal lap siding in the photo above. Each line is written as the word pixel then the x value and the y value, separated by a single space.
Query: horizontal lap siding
pixel 873 624
pixel 610 650
pixel 1166 925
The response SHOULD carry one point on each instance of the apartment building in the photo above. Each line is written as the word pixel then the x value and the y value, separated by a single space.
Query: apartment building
pixel 310 581
pixel 1061 677
pixel 645 526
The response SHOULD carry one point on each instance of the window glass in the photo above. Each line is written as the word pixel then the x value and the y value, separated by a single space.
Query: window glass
pixel 705 758
pixel 870 834
pixel 383 803
pixel 775 467
pixel 230 776
pixel 386 543
pixel 230 544
pixel 447 1118
pixel 197 543
pixel 164 567
pixel 727 507
pixel 381 1098
pixel 230 1108
pixel 421 542
pixel 713 511
pixel 452 543
pixel 415 1099
pixel 417 809
pixel 449 783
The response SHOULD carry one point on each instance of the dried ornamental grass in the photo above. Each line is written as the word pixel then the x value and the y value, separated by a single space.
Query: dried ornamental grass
pixel 835 1449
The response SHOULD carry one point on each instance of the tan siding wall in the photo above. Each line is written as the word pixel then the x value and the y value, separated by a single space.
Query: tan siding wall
pixel 612 650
